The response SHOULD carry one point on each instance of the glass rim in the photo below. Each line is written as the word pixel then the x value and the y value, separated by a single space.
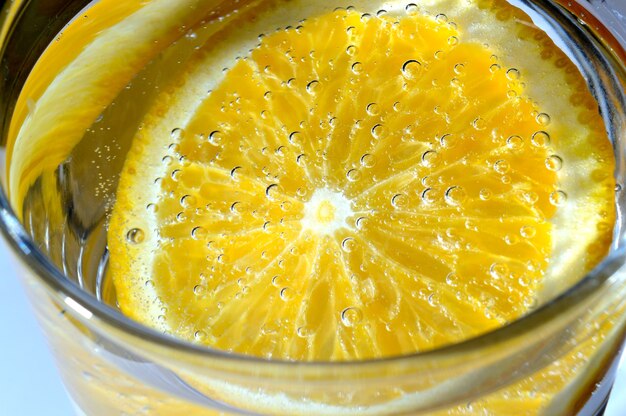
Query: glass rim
pixel 87 305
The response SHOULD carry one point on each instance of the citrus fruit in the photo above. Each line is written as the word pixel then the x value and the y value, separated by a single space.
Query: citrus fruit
pixel 76 79
pixel 360 184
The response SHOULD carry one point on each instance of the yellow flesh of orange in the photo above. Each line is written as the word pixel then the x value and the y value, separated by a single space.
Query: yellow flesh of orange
pixel 324 201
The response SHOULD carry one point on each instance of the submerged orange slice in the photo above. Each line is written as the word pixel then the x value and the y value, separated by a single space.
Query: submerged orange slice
pixel 357 186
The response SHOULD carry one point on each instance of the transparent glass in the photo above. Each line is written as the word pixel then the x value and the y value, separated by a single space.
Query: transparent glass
pixel 112 365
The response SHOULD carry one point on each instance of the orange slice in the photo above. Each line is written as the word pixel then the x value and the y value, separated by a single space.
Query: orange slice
pixel 359 186
pixel 81 73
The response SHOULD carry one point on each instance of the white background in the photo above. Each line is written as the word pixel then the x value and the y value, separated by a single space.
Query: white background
pixel 29 383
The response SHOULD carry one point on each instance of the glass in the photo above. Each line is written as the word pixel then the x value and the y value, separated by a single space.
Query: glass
pixel 112 365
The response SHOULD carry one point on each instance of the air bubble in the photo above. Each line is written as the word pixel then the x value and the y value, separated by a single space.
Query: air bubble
pixel 411 8
pixel 351 50
pixel 199 290
pixel 378 131
pixel 558 198
pixel 286 293
pixel 441 18
pixel 430 158
pixel 479 123
pixel 353 175
pixel 530 197
pixel 411 69
pixel 215 137
pixel 348 244
pixel 295 138
pixel 501 166
pixel 494 68
pixel 540 139
pixel 554 163
pixel 368 160
pixel 452 279
pixel 447 141
pixel 351 317
pixel 361 222
pixel 454 195
pixel 188 201
pixel 235 207
pixel 459 69
pixel 357 68
pixel 381 12
pixel 271 191
pixel 432 300
pixel 499 271
pixel 543 119
pixel 470 225
pixel 311 87
pixel 453 40
pixel 513 74
pixel 428 196
pixel 399 201
pixel 176 134
pixel 174 147
pixel 304 332
pixel 198 233
pixel 485 194
pixel 372 109
pixel 511 239
pixel 365 17
pixel 277 281
pixel 135 235
pixel 267 95
pixel 527 231
pixel 199 335
pixel 515 142
pixel 397 106
pixel 233 172
pixel 524 281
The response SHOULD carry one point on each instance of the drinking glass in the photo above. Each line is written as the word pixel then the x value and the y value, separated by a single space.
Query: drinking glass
pixel 113 365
